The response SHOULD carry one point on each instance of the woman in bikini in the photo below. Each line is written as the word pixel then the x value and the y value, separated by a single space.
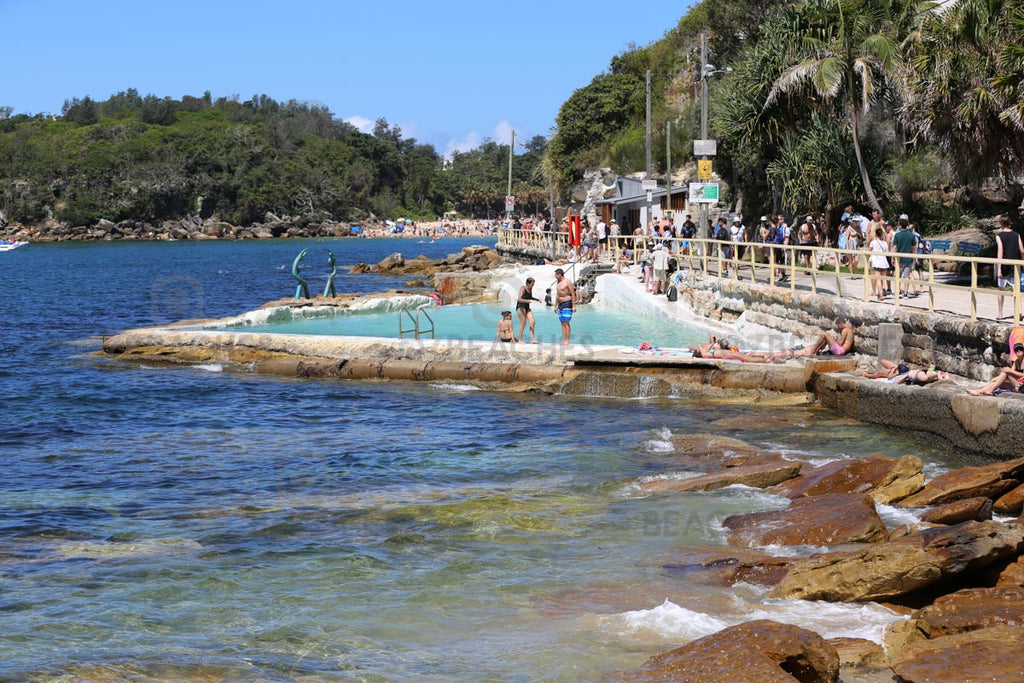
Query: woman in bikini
pixel 523 309
pixel 1010 379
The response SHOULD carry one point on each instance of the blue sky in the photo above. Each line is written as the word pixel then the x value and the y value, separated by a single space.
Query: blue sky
pixel 451 73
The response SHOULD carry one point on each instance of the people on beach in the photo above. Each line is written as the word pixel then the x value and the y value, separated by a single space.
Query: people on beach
pixel 505 331
pixel 879 263
pixel 523 309
pixel 565 301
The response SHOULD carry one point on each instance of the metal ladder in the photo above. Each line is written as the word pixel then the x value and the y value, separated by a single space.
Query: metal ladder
pixel 415 320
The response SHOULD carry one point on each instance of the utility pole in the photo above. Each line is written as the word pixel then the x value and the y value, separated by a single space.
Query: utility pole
pixel 668 167
pixel 511 146
pixel 703 123
pixel 647 175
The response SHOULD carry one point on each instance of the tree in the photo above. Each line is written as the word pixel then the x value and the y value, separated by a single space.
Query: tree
pixel 845 51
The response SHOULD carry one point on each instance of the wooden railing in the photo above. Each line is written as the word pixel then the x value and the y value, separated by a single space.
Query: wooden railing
pixel 827 271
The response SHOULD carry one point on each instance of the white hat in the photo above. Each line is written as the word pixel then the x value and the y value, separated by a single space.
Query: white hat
pixel 904 217
pixel 737 219
pixel 613 220
pixel 657 246
pixel 764 218
pixel 808 219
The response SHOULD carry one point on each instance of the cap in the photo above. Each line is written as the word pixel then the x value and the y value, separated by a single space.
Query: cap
pixel 808 219
pixel 904 217
pixel 1018 347
pixel 614 221
pixel 764 218
pixel 737 219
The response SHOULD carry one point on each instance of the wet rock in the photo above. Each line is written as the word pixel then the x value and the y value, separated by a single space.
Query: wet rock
pixel 727 566
pixel 712 444
pixel 974 608
pixel 900 635
pixel 990 481
pixel 964 510
pixel 859 652
pixel 886 479
pixel 763 651
pixel 989 654
pixel 1011 502
pixel 752 424
pixel 898 567
pixel 757 476
pixel 817 520
pixel 360 268
pixel 1013 574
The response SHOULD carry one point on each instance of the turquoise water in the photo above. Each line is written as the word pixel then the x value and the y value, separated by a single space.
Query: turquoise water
pixel 590 325
pixel 179 524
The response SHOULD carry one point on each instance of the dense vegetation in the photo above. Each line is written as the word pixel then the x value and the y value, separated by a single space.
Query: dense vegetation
pixel 896 103
pixel 150 158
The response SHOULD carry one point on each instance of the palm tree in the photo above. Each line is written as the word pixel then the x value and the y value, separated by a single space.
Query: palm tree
pixel 844 52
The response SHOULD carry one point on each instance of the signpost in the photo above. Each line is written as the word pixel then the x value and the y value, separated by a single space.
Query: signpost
pixel 510 203
pixel 703 193
pixel 704 168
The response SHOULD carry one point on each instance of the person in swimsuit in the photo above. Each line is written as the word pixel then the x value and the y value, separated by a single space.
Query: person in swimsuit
pixel 836 345
pixel 505 331
pixel 523 309
pixel 1010 379
pixel 565 301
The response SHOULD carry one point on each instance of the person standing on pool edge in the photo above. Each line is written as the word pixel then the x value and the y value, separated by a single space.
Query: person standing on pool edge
pixel 565 301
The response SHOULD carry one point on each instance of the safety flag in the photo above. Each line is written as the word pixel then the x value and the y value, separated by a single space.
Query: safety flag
pixel 575 231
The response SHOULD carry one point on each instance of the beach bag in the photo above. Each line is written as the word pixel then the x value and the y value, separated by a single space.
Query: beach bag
pixel 672 294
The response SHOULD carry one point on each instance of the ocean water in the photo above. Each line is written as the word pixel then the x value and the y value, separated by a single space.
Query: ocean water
pixel 181 524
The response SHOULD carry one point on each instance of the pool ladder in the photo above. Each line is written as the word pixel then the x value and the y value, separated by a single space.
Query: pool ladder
pixel 416 329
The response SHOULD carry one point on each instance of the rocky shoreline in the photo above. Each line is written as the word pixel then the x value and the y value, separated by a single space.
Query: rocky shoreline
pixel 956 575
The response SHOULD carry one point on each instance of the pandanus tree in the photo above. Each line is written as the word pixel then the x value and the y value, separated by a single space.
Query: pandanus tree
pixel 846 53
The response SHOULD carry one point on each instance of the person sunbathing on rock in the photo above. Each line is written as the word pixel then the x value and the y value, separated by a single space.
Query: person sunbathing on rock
pixel 719 349
pixel 1010 379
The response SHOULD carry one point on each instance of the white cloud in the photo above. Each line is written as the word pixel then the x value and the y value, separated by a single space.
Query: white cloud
pixel 364 124
pixel 502 132
pixel 470 141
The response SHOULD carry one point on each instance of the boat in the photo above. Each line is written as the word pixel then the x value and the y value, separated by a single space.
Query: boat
pixel 8 245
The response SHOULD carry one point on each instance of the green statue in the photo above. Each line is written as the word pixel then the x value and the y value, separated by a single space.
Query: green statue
pixel 303 286
pixel 329 289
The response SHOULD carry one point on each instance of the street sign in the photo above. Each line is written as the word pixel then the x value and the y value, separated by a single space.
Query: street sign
pixel 703 193
pixel 704 169
pixel 705 148
pixel 510 203
pixel 649 185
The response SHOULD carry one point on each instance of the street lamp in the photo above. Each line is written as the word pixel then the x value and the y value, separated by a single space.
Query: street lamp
pixel 706 70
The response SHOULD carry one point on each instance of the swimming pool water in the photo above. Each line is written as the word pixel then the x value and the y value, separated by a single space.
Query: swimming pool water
pixel 592 324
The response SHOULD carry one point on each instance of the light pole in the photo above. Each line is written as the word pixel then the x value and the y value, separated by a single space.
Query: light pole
pixel 706 70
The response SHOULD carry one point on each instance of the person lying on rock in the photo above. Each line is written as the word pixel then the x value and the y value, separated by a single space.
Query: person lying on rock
pixel 719 349
pixel 921 377
pixel 1010 379
pixel 828 344
pixel 887 370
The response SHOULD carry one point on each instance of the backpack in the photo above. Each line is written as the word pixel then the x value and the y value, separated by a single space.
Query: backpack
pixel 722 233
pixel 672 294
pixel 673 265
pixel 924 246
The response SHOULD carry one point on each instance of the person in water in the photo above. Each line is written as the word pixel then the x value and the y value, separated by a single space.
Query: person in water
pixel 523 309
pixel 505 331
pixel 565 300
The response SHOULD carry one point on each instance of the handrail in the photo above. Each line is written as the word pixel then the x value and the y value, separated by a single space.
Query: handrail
pixel 824 269
pixel 415 329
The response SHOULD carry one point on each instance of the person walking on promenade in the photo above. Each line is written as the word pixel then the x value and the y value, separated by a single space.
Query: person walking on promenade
pixel 659 260
pixel 1008 248
pixel 879 263
pixel 565 301
pixel 807 235
pixel 904 242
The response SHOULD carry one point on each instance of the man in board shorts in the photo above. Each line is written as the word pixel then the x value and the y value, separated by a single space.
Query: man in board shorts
pixel 565 298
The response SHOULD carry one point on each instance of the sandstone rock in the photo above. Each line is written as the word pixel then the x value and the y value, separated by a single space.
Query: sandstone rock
pixel 388 263
pixel 990 481
pixel 757 476
pixel 817 520
pixel 712 444
pixel 901 566
pixel 901 634
pixel 974 608
pixel 1013 574
pixel 963 510
pixel 859 475
pixel 991 654
pixel 1011 502
pixel 763 651
pixel 859 652
pixel 359 269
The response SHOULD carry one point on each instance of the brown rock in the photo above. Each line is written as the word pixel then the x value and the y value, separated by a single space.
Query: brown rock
pixel 1013 574
pixel 359 269
pixel 860 475
pixel 391 262
pixel 754 424
pixel 901 634
pixel 897 567
pixel 763 651
pixel 816 520
pixel 712 444
pixel 988 655
pixel 973 608
pixel 963 510
pixel 990 481
pixel 757 476
pixel 859 652
pixel 1010 503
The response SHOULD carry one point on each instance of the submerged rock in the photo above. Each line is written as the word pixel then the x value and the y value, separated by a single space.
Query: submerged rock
pixel 817 520
pixel 757 476
pixel 764 651
pixel 726 566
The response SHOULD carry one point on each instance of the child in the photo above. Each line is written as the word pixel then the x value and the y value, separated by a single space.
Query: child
pixel 505 332
pixel 547 296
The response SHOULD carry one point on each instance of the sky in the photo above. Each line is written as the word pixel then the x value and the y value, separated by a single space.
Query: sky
pixel 450 73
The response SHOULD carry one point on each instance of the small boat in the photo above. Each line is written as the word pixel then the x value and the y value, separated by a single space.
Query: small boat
pixel 8 245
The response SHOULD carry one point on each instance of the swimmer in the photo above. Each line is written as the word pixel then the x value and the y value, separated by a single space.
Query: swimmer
pixel 505 331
